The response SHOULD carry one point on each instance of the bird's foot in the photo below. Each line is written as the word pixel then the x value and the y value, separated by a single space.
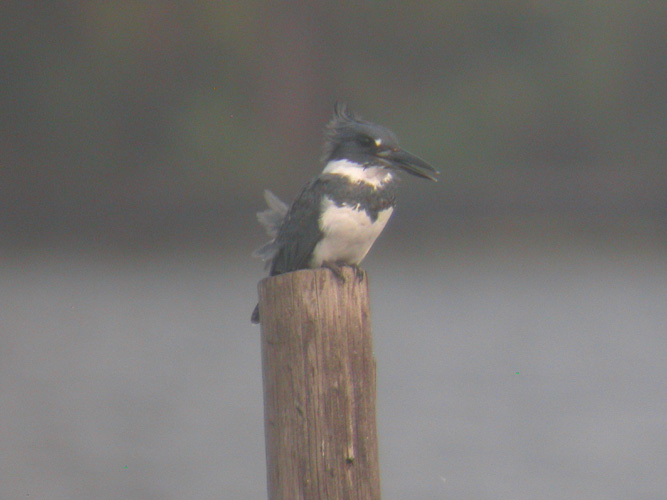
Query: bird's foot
pixel 358 272
pixel 336 270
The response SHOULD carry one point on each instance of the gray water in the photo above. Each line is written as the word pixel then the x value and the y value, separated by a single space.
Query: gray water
pixel 514 373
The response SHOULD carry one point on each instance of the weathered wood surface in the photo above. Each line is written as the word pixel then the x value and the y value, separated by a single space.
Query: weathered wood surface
pixel 319 387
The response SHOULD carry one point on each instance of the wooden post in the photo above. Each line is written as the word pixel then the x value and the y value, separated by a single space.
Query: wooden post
pixel 319 387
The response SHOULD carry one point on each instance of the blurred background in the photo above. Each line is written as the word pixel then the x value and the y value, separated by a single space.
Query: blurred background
pixel 519 304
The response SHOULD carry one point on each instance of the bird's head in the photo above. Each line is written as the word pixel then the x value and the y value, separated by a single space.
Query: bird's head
pixel 348 137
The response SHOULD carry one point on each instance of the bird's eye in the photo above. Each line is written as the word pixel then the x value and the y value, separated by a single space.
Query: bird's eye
pixel 366 141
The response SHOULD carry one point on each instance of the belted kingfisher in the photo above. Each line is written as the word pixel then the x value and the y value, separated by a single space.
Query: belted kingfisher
pixel 339 214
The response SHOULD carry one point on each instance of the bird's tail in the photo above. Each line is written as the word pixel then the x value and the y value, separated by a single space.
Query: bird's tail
pixel 270 219
pixel 255 315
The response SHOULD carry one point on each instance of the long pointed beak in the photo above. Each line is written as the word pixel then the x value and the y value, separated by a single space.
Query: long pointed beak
pixel 410 163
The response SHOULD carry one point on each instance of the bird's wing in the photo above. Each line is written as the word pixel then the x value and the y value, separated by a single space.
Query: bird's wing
pixel 299 232
pixel 272 217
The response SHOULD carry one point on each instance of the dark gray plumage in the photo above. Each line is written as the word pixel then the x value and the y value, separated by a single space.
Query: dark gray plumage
pixel 337 216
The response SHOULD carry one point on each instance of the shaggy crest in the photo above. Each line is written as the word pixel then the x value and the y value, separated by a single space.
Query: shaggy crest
pixel 338 128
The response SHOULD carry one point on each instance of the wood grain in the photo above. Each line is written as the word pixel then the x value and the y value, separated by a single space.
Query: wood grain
pixel 319 387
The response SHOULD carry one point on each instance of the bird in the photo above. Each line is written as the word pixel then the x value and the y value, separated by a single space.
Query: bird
pixel 338 215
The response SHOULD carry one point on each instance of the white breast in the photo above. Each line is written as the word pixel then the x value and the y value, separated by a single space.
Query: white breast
pixel 348 232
